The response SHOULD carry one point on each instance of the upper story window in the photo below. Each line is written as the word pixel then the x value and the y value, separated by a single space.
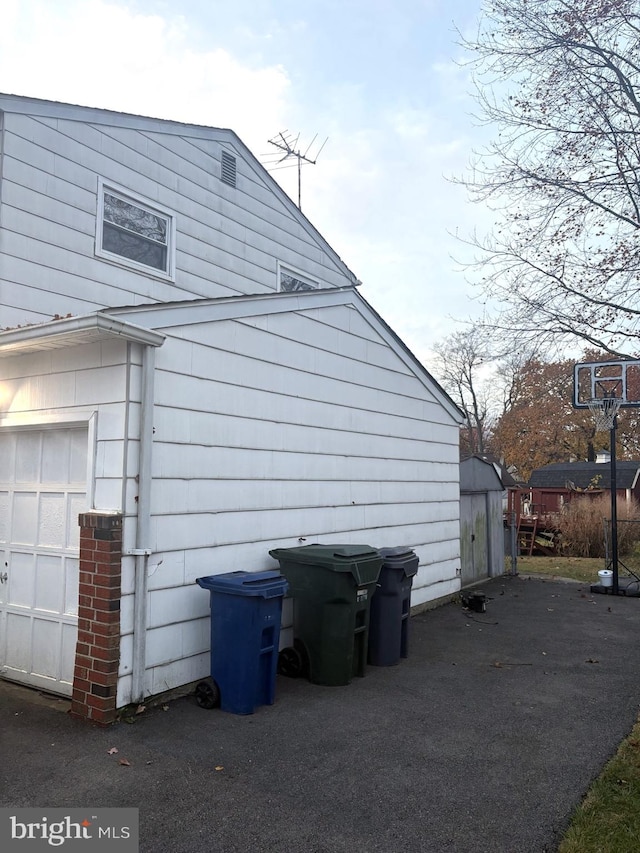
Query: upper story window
pixel 134 231
pixel 290 280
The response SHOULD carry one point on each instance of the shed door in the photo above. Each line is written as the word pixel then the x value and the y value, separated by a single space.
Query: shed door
pixel 42 491
pixel 474 543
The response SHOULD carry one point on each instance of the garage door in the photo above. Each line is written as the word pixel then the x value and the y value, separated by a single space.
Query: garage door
pixel 42 491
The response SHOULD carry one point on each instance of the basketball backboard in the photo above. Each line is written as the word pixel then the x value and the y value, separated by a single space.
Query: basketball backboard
pixel 600 380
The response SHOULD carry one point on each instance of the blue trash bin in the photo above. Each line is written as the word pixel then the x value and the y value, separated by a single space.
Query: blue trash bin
pixel 246 611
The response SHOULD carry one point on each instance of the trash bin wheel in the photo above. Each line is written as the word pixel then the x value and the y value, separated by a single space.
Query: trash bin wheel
pixel 293 661
pixel 208 694
pixel 290 662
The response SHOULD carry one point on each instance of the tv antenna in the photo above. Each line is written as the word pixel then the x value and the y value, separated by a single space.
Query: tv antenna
pixel 286 142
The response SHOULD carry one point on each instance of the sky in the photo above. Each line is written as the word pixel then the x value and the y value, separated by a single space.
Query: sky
pixel 379 82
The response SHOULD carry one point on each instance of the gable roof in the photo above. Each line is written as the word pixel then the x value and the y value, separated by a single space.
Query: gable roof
pixel 134 321
pixel 163 315
pixel 73 112
pixel 584 475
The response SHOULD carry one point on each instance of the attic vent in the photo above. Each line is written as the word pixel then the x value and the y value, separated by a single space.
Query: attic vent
pixel 228 173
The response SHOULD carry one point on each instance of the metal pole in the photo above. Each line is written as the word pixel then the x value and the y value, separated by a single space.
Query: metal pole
pixel 614 506
pixel 514 545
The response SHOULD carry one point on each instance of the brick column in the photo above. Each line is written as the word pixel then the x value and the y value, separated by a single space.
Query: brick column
pixel 98 648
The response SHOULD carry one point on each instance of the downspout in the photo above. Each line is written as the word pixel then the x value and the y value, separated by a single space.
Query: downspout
pixel 141 552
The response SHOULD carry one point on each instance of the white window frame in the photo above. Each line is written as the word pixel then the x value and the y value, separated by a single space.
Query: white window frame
pixel 286 269
pixel 145 204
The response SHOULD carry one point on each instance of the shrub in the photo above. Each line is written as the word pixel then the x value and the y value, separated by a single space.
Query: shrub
pixel 581 526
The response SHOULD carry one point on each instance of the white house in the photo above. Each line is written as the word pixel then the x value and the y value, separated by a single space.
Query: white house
pixel 188 378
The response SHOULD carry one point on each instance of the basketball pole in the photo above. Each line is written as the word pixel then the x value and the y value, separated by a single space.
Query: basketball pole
pixel 614 504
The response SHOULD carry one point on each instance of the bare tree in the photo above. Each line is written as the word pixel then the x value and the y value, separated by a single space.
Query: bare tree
pixel 560 81
pixel 460 359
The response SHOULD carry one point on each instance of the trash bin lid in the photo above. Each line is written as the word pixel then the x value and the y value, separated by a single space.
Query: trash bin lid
pixel 267 584
pixel 362 561
pixel 338 558
pixel 400 557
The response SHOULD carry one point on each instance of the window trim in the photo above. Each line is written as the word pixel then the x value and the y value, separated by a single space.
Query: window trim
pixel 126 195
pixel 287 269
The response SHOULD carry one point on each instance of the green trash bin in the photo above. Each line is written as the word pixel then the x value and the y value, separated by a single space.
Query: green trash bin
pixel 331 587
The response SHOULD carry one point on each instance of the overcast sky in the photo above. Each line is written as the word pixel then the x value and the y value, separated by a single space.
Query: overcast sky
pixel 379 78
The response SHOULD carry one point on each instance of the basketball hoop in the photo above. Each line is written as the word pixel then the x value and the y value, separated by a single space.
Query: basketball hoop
pixel 604 411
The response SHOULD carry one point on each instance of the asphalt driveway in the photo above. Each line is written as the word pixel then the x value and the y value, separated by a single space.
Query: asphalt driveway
pixel 482 741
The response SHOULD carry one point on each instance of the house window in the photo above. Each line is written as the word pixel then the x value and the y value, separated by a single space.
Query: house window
pixel 135 232
pixel 290 280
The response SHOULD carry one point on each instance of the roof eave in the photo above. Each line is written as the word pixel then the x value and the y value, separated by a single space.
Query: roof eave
pixel 73 331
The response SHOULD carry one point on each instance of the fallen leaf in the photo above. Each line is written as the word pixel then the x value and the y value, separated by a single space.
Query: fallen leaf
pixel 165 707
pixel 141 709
pixel 219 767
pixel 125 762
pixel 112 751
pixel 592 660
pixel 497 664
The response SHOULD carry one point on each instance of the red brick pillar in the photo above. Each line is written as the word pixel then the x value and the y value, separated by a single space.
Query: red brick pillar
pixel 98 649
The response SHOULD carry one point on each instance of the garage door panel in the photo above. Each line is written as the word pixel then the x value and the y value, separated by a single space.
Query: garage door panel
pixel 24 528
pixel 7 457
pixel 27 457
pixel 21 579
pixel 4 516
pixel 55 457
pixel 78 457
pixel 49 586
pixel 69 638
pixel 19 641
pixel 46 648
pixel 52 520
pixel 72 579
pixel 76 504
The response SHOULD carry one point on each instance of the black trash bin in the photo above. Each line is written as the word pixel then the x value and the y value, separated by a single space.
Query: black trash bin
pixel 331 587
pixel 391 607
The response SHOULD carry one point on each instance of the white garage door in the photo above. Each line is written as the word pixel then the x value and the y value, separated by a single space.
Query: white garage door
pixel 42 491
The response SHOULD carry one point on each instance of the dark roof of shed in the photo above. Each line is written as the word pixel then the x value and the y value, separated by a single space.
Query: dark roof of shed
pixel 479 475
pixel 507 479
pixel 583 475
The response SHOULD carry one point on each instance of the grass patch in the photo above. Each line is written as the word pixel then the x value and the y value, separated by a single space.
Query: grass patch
pixel 583 569
pixel 608 820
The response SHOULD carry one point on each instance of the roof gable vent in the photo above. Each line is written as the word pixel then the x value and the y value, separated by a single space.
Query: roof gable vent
pixel 228 171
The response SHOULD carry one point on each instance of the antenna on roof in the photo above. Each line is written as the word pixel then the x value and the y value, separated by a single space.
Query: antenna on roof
pixel 286 142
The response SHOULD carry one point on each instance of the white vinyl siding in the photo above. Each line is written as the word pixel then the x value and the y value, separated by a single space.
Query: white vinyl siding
pixel 278 427
pixel 228 239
